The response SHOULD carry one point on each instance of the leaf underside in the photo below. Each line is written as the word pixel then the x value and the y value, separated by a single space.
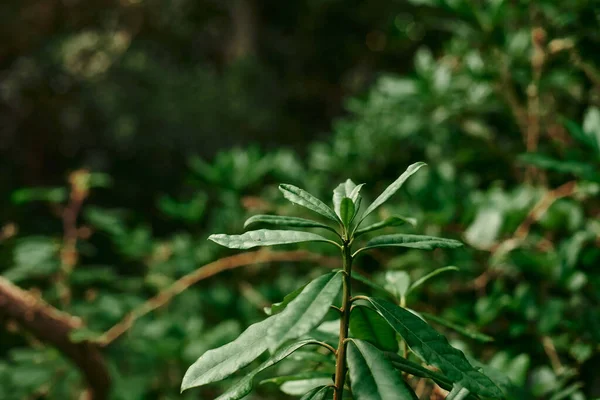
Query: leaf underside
pixel 265 237
pixel 278 220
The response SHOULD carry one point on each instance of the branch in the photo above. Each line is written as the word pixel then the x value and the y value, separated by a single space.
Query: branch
pixel 52 326
pixel 206 271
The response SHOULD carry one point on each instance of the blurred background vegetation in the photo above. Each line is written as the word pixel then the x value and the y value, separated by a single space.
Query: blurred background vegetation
pixel 130 130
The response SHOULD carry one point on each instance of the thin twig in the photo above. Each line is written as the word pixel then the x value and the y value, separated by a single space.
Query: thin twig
pixel 206 271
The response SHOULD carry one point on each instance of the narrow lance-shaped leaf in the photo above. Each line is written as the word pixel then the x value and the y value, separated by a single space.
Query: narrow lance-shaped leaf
pixel 318 393
pixel 462 330
pixel 277 307
pixel 368 325
pixel 293 222
pixel 430 275
pixel 306 311
pixel 434 349
pixel 395 220
pixel 346 211
pixel 393 188
pixel 411 241
pixel 305 199
pixel 219 363
pixel 372 376
pixel 243 387
pixel 266 237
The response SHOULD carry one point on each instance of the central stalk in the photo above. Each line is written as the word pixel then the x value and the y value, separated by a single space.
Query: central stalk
pixel 340 365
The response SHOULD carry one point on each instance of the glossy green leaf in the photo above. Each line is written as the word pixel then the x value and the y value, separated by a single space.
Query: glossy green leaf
pixel 243 387
pixel 462 330
pixel 305 199
pixel 307 310
pixel 393 188
pixel 318 393
pixel 368 325
pixel 219 363
pixel 434 349
pixel 430 275
pixel 265 237
pixel 395 220
pixel 278 220
pixel 373 376
pixel 421 242
pixel 346 211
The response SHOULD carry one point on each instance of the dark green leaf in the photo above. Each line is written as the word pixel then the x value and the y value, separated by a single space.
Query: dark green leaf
pixel 347 211
pixel 434 349
pixel 219 363
pixel 318 393
pixel 372 375
pixel 305 199
pixel 411 241
pixel 243 387
pixel 393 188
pixel 265 237
pixel 391 221
pixel 368 325
pixel 307 310
pixel 463 331
pixel 278 220
pixel 277 307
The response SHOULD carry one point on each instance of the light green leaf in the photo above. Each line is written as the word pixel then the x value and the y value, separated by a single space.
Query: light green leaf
pixel 265 237
pixel 458 393
pixel 243 387
pixel 397 282
pixel 219 363
pixel 393 188
pixel 305 199
pixel 299 388
pixel 277 307
pixel 421 242
pixel 463 331
pixel 434 349
pixel 306 311
pixel 391 221
pixel 347 211
pixel 430 275
pixel 368 325
pixel 279 220
pixel 372 375
pixel 342 191
pixel 279 380
pixel 318 393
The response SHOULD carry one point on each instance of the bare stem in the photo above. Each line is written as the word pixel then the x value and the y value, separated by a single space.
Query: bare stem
pixel 340 364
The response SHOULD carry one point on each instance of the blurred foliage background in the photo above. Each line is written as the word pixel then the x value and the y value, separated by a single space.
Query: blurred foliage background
pixel 130 130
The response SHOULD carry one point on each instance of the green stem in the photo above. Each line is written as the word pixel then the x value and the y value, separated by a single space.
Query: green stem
pixel 340 364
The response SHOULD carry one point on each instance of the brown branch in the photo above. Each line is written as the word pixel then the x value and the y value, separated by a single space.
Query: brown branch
pixel 206 271
pixel 52 326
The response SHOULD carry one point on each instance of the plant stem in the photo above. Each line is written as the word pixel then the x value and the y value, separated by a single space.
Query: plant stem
pixel 340 364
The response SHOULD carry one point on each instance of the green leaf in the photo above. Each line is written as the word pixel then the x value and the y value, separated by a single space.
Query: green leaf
pixel 393 188
pixel 243 387
pixel 305 199
pixel 373 376
pixel 368 325
pixel 279 380
pixel 463 331
pixel 434 349
pixel 363 279
pixel 277 307
pixel 458 393
pixel 412 241
pixel 398 282
pixel 306 311
pixel 265 237
pixel 342 191
pixel 415 369
pixel 293 222
pixel 318 393
pixel 347 211
pixel 391 221
pixel 430 275
pixel 219 363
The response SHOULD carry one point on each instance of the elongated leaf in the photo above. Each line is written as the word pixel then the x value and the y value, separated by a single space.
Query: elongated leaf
pixel 342 191
pixel 243 387
pixel 363 279
pixel 458 393
pixel 278 380
pixel 278 220
pixel 368 325
pixel 393 188
pixel 265 237
pixel 395 220
pixel 305 199
pixel 277 307
pixel 346 211
pixel 463 331
pixel 430 275
pixel 306 311
pixel 372 375
pixel 318 393
pixel 219 363
pixel 421 242
pixel 434 349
